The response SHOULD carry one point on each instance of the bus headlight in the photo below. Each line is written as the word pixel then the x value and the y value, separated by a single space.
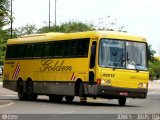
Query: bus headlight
pixel 106 82
pixel 143 85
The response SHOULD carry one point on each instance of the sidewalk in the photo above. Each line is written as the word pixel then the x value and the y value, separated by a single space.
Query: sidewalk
pixel 0 80
pixel 154 84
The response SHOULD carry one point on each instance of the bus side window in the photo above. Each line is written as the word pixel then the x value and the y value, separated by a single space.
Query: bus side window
pixel 19 51
pixel 38 50
pixel 59 49
pixel 28 52
pixel 72 48
pixel 93 54
pixel 10 52
pixel 47 50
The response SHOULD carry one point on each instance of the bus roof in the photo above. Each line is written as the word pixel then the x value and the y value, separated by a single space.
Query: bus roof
pixel 53 36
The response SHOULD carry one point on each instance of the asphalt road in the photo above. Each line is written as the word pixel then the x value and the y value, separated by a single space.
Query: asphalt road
pixel 99 109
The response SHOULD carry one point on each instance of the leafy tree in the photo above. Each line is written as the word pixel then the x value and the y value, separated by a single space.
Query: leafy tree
pixel 25 30
pixel 154 70
pixel 154 64
pixel 110 24
pixel 76 27
pixel 4 16
pixel 72 26
pixel 4 20
pixel 151 54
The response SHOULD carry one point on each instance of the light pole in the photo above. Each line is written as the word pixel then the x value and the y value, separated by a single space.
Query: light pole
pixel 11 19
pixel 49 15
pixel 55 12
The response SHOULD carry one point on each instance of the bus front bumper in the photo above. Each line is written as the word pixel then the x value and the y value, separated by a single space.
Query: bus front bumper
pixel 116 92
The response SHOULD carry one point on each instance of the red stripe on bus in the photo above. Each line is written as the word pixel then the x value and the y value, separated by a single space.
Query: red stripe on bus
pixel 72 76
pixel 16 71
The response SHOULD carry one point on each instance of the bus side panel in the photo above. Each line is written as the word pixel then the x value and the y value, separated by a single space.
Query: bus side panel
pixel 58 76
pixel 58 88
pixel 49 76
pixel 9 75
pixel 11 85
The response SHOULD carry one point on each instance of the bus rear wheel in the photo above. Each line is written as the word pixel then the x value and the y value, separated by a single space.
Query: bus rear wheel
pixel 122 101
pixel 69 99
pixel 20 90
pixel 56 98
pixel 30 91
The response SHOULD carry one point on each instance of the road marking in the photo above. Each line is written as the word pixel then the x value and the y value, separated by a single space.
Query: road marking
pixel 7 104
pixel 127 101
pixel 8 95
pixel 68 112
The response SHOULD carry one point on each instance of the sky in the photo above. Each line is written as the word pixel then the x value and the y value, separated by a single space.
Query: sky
pixel 140 17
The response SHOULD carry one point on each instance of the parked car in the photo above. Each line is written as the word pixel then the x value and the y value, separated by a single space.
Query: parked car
pixel 1 70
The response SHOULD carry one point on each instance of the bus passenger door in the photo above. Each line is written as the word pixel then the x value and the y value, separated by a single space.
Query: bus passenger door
pixel 91 87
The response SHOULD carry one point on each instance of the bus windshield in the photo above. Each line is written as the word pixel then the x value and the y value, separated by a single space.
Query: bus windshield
pixel 122 54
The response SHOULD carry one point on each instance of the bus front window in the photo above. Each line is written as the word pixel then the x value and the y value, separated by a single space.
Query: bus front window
pixel 112 53
pixel 122 54
pixel 136 56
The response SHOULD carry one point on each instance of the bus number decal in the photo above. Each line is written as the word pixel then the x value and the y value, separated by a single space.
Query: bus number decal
pixel 48 65
pixel 109 75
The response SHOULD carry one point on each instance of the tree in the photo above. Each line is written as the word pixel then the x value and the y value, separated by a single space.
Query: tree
pixel 151 54
pixel 72 26
pixel 154 70
pixel 4 20
pixel 76 27
pixel 154 64
pixel 25 30
pixel 4 15
pixel 110 24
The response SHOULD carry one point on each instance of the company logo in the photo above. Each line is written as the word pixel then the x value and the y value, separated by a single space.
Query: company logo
pixel 48 65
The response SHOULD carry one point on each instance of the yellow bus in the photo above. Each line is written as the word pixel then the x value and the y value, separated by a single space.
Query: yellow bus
pixel 105 64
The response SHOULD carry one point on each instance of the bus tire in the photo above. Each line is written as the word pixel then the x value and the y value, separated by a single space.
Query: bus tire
pixel 20 90
pixel 69 99
pixel 51 98
pixel 30 92
pixel 122 101
pixel 82 96
pixel 56 98
pixel 81 90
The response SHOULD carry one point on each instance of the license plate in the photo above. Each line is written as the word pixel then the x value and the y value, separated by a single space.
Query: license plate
pixel 123 93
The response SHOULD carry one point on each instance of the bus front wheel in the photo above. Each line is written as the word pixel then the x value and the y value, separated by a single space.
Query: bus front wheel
pixel 83 98
pixel 122 101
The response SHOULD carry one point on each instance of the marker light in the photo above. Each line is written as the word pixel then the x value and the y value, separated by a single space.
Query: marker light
pixel 98 81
